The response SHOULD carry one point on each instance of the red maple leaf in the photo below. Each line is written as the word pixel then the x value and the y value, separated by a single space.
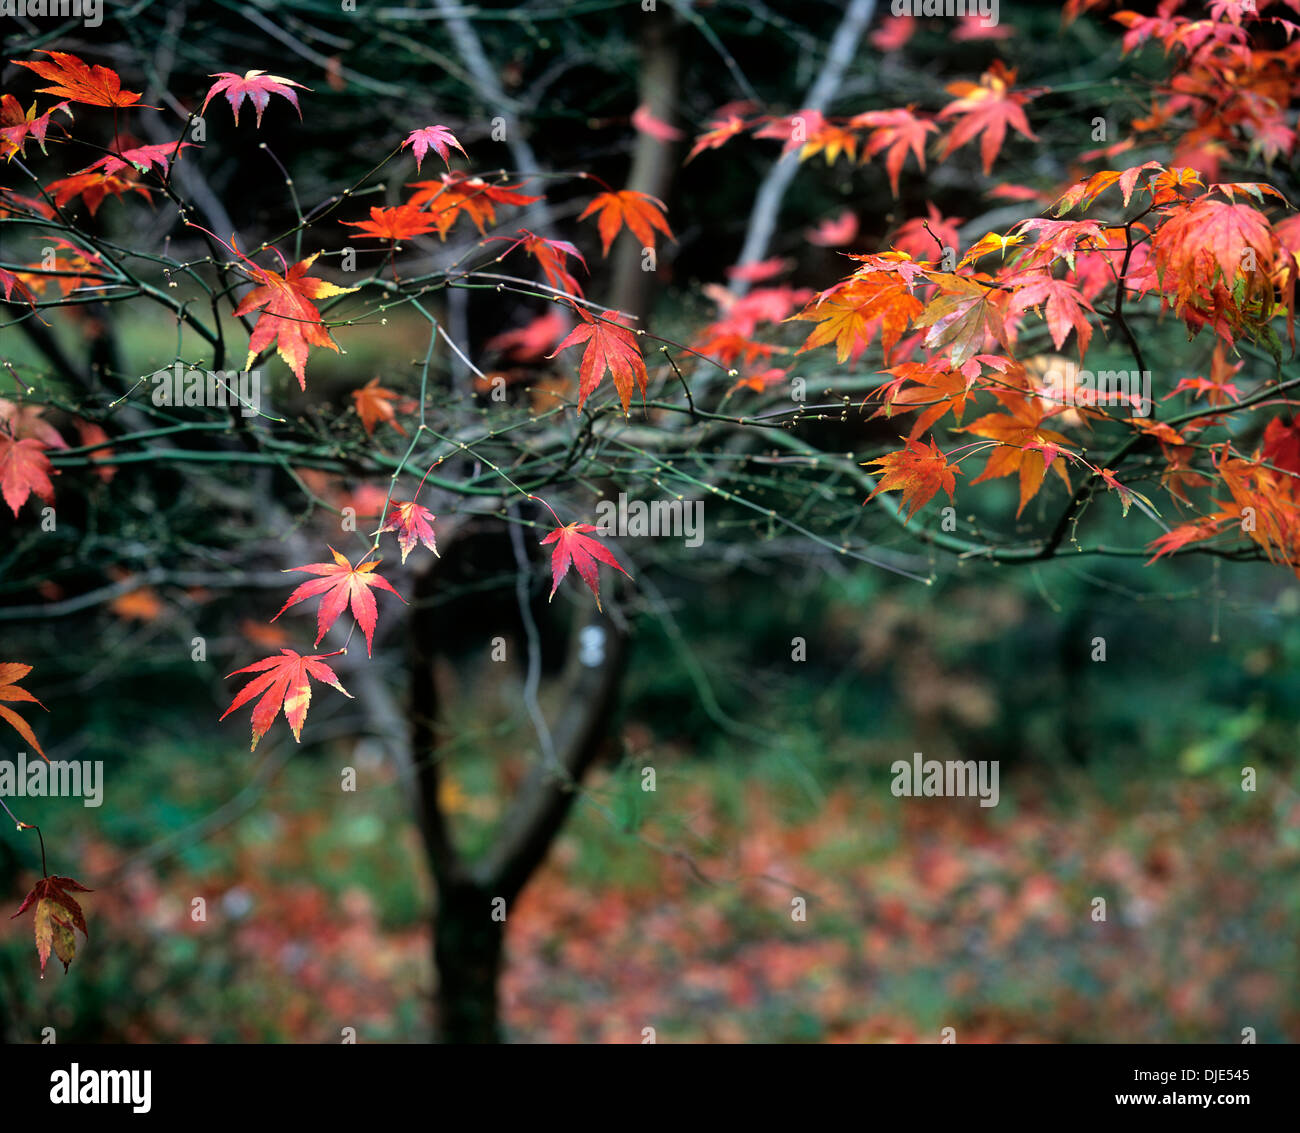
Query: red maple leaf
pixel 895 131
pixel 137 157
pixel 94 187
pixel 1063 304
pixel 579 550
pixel 11 672
pixel 639 211
pixel 256 86
pixel 609 347
pixel 57 914
pixel 24 469
pixel 834 232
pixel 283 684
pixel 437 138
pixel 79 82
pixel 550 254
pixel 342 586
pixel 413 524
pixel 11 282
pixel 290 320
pixel 644 120
pixel 985 110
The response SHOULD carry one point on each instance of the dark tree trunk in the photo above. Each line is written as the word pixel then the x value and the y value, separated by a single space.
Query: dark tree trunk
pixel 468 938
pixel 467 955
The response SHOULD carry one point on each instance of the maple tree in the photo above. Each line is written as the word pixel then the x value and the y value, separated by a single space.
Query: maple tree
pixel 962 323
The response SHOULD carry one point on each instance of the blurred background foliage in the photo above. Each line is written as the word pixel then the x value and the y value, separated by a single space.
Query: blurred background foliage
pixel 1121 778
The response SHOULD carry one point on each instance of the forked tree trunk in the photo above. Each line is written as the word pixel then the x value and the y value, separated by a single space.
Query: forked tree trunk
pixel 474 898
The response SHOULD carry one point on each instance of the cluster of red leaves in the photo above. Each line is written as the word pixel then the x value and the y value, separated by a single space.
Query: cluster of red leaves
pixel 982 110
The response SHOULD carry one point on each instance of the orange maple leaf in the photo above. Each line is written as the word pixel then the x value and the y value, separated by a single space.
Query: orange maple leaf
pixel 398 223
pixel 935 388
pixel 11 672
pixel 57 914
pixel 456 192
pixel 609 347
pixel 848 315
pixel 1021 447
pixel 283 684
pixel 342 586
pixel 78 82
pixel 916 471
pixel 639 211
pixel 573 548
pixel 374 406
pixel 290 320
pixel 1215 257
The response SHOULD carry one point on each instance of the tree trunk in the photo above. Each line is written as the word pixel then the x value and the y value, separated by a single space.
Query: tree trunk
pixel 473 897
pixel 467 955
pixel 652 161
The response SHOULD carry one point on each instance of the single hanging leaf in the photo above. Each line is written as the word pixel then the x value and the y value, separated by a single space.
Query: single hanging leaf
pixel 256 86
pixel 290 319
pixel 79 82
pixel 916 471
pixel 57 914
pixel 639 211
pixel 342 586
pixel 374 406
pixel 574 548
pixel 283 684
pixel 609 347
pixel 141 158
pixel 24 469
pixel 895 131
pixel 436 138
pixel 985 110
pixel 550 254
pixel 413 524
pixel 11 672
